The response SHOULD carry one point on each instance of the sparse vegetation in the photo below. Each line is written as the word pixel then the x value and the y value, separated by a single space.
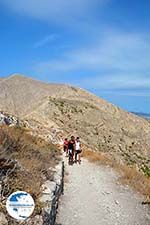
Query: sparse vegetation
pixel 146 170
pixel 25 162
pixel 139 179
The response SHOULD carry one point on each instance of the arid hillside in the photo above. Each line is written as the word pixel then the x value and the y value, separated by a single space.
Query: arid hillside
pixel 21 95
pixel 26 162
pixel 101 125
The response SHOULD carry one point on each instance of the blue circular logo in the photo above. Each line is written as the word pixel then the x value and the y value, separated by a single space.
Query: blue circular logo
pixel 20 205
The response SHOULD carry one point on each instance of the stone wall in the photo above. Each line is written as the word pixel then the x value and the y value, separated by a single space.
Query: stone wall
pixel 57 189
pixel 52 190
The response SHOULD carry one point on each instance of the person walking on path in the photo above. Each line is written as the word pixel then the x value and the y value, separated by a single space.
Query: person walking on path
pixel 66 146
pixel 78 150
pixel 71 149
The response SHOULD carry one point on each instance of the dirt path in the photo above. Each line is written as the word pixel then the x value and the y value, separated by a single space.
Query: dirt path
pixel 93 197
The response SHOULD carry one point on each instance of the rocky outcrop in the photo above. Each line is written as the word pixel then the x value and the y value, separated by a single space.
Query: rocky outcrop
pixel 10 120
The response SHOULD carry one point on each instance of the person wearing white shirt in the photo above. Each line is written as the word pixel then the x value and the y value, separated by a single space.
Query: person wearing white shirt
pixel 78 150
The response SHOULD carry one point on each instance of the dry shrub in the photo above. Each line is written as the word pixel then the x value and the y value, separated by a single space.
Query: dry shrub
pixel 135 178
pixel 130 175
pixel 96 157
pixel 33 156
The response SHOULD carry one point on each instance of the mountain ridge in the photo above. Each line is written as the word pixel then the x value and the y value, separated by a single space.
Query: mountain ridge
pixel 101 125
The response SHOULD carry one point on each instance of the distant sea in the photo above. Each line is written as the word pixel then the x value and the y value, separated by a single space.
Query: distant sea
pixel 144 115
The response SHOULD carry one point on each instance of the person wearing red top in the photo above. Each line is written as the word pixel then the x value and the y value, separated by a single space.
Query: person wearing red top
pixel 66 146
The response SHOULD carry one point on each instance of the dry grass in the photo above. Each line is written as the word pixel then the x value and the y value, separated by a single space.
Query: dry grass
pixel 130 175
pixel 135 178
pixel 30 156
pixel 96 157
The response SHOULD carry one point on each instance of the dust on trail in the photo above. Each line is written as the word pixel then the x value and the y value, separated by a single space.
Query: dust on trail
pixel 92 196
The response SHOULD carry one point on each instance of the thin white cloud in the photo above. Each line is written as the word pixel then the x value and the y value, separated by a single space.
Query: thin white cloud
pixel 114 82
pixel 136 93
pixel 127 55
pixel 61 11
pixel 117 51
pixel 47 39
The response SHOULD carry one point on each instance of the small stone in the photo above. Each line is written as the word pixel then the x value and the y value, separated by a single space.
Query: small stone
pixel 116 202
pixel 117 215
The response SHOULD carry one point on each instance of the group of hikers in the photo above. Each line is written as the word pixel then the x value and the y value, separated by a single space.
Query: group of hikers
pixel 73 150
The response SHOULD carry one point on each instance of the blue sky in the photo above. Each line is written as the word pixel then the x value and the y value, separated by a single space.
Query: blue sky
pixel 100 45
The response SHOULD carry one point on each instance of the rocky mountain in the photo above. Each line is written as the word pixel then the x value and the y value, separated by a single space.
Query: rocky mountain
pixel 52 109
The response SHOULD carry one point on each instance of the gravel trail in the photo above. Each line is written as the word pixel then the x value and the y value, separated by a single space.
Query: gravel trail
pixel 92 196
